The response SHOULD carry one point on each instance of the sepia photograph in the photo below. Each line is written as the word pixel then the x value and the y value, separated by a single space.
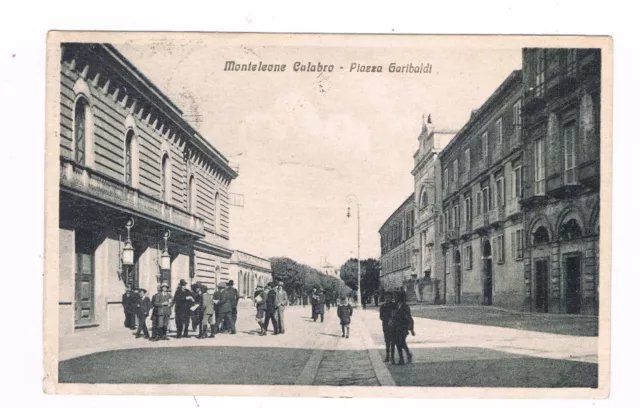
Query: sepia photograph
pixel 327 215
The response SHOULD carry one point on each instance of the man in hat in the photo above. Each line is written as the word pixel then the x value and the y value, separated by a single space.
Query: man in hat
pixel 270 314
pixel 320 306
pixel 314 303
pixel 183 300
pixel 161 302
pixel 207 311
pixel 129 303
pixel 282 301
pixel 143 307
pixel 225 306
pixel 233 294
pixel 261 307
pixel 196 309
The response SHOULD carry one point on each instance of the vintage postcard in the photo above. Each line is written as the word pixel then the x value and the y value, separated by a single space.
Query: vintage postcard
pixel 328 215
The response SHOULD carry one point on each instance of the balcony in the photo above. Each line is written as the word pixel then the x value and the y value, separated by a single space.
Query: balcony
pixel 87 182
pixel 452 234
pixel 496 215
pixel 513 207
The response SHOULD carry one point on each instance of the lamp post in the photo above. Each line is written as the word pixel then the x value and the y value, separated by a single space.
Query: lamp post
pixel 127 253
pixel 350 198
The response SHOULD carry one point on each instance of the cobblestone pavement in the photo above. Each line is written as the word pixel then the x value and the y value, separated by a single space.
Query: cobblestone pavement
pixel 314 353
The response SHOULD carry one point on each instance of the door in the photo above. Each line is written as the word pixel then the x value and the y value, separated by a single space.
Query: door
pixel 488 275
pixel 542 286
pixel 85 280
pixel 458 277
pixel 572 287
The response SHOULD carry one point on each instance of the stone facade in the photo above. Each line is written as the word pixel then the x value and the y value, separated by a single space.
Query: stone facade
pixel 480 225
pixel 248 271
pixel 561 191
pixel 398 245
pixel 126 153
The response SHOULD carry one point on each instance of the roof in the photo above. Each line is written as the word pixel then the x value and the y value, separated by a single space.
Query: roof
pixel 409 199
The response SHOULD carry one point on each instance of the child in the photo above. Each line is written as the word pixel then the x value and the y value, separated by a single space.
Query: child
pixel 401 324
pixel 344 313
pixel 386 312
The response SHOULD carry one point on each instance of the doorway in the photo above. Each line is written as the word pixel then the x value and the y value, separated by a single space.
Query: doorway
pixel 541 286
pixel 85 278
pixel 488 274
pixel 572 287
pixel 458 278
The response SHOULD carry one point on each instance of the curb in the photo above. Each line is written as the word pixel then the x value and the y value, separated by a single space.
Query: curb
pixel 379 368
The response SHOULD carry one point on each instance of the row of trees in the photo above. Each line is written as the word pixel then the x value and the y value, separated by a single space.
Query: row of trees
pixel 369 275
pixel 300 279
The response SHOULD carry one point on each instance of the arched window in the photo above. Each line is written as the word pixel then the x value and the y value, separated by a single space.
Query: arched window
pixel 423 199
pixel 165 178
pixel 540 236
pixel 128 158
pixel 191 195
pixel 80 130
pixel 570 230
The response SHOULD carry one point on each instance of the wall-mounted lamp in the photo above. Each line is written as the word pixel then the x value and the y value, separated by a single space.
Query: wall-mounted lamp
pixel 127 250
pixel 165 258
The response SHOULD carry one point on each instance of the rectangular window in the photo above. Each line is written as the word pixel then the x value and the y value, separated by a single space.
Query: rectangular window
pixel 478 203
pixel 455 170
pixel 446 181
pixel 539 167
pixel 467 160
pixel 500 192
pixel 468 210
pixel 517 244
pixel 571 62
pixel 485 144
pixel 456 217
pixel 516 180
pixel 500 248
pixel 441 225
pixel 517 112
pixel 468 254
pixel 570 154
pixel 485 199
pixel 499 131
pixel 539 73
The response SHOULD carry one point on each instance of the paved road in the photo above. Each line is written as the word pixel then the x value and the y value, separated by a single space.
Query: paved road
pixel 445 354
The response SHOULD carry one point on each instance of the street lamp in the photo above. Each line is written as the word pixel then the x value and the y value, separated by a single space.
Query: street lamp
pixel 350 197
pixel 165 258
pixel 126 255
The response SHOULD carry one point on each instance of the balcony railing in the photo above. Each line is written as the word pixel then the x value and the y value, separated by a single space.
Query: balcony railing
pixel 87 181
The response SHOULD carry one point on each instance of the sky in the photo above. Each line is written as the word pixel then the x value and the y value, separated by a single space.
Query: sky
pixel 304 141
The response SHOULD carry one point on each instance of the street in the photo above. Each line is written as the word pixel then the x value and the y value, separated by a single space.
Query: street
pixel 446 353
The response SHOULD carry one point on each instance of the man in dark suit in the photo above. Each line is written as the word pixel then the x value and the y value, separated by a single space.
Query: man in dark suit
pixel 129 303
pixel 233 293
pixel 143 308
pixel 225 306
pixel 183 300
pixel 314 303
pixel 270 314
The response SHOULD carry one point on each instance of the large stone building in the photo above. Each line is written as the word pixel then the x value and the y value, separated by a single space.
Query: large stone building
pixel 128 155
pixel 249 271
pixel 429 258
pixel 561 175
pixel 480 226
pixel 397 244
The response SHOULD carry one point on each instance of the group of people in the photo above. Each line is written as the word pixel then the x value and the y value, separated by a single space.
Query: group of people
pixel 270 301
pixel 209 311
pixel 397 323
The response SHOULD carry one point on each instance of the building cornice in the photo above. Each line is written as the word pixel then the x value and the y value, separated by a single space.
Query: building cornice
pixel 407 201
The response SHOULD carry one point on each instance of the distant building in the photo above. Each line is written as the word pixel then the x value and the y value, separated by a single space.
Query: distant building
pixel 330 270
pixel 561 176
pixel 126 153
pixel 397 245
pixel 248 271
pixel 480 226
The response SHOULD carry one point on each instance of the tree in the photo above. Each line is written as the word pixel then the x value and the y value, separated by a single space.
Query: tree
pixel 349 273
pixel 369 274
pixel 300 279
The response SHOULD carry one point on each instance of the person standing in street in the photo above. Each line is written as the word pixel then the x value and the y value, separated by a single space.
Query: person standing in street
pixel 225 307
pixel 233 293
pixel 197 313
pixel 161 302
pixel 129 303
pixel 261 308
pixel 386 312
pixel 183 300
pixel 282 301
pixel 314 303
pixel 320 306
pixel 207 313
pixel 270 313
pixel 402 324
pixel 344 314
pixel 327 300
pixel 143 307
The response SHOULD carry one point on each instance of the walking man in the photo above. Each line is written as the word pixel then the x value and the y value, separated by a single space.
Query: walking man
pixel 183 300
pixel 401 324
pixel 129 303
pixel 386 313
pixel 314 303
pixel 161 313
pixel 270 314
pixel 143 307
pixel 282 301
pixel 320 306
pixel 207 313
pixel 197 313
pixel 233 293
pixel 225 308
